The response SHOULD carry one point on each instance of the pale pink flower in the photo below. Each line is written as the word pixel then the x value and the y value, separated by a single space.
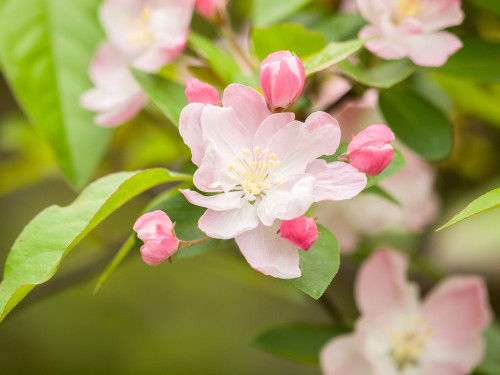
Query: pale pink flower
pixel 412 28
pixel 201 92
pixel 210 8
pixel 399 335
pixel 156 230
pixel 116 96
pixel 151 33
pixel 370 150
pixel 264 167
pixel 301 232
pixel 282 78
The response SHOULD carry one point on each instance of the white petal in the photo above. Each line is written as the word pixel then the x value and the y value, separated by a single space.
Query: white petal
pixel 228 224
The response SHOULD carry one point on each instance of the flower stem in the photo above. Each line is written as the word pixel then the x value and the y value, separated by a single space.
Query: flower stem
pixel 228 34
pixel 335 313
pixel 192 243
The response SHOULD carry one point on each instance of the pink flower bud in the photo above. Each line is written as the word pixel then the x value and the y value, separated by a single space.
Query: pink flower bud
pixel 370 150
pixel 156 230
pixel 282 78
pixel 201 92
pixel 210 8
pixel 301 232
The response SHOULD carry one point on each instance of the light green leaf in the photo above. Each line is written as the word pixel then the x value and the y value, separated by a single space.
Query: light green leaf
pixel 477 59
pixel 45 50
pixel 384 75
pixel 287 36
pixel 39 249
pixel 418 123
pixel 319 264
pixel 338 27
pixel 332 54
pixel 486 202
pixel 266 13
pixel 167 95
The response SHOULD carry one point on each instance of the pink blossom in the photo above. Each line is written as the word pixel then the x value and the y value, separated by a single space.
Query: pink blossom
pixel 157 231
pixel 370 151
pixel 301 232
pixel 116 96
pixel 412 28
pixel 398 335
pixel 201 92
pixel 210 8
pixel 282 78
pixel 264 168
pixel 151 33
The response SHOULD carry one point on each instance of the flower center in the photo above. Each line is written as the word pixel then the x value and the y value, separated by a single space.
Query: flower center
pixel 409 8
pixel 409 340
pixel 141 33
pixel 254 172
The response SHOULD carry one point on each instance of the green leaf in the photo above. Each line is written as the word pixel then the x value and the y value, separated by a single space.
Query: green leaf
pixel 331 55
pixel 167 95
pixel 477 59
pixel 377 190
pixel 266 13
pixel 418 123
pixel 398 162
pixel 492 6
pixel 45 50
pixel 490 364
pixel 299 342
pixel 287 36
pixel 485 202
pixel 338 27
pixel 384 75
pixel 319 264
pixel 40 248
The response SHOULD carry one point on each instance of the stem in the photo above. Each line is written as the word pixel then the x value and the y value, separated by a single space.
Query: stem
pixel 192 243
pixel 334 312
pixel 228 34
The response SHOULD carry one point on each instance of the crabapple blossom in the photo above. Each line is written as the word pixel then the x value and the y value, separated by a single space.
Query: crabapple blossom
pixel 151 33
pixel 398 335
pixel 301 232
pixel 282 78
pixel 370 151
pixel 116 96
pixel 264 169
pixel 156 230
pixel 201 92
pixel 210 8
pixel 412 28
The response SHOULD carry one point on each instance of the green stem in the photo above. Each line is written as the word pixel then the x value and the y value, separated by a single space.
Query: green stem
pixel 335 313
pixel 183 244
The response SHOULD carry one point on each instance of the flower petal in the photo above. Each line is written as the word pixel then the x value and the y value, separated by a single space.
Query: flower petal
pixel 383 46
pixel 218 202
pixel 440 14
pixel 230 223
pixel 268 253
pixel 342 356
pixel 381 285
pixel 249 106
pixel 374 11
pixel 433 49
pixel 335 181
pixel 190 130
pixel 271 125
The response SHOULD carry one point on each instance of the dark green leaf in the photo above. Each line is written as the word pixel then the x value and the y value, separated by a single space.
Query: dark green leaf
pixel 398 162
pixel 384 75
pixel 490 364
pixel 287 36
pixel 298 342
pixel 40 248
pixel 377 190
pixel 167 95
pixel 492 6
pixel 45 50
pixel 338 27
pixel 418 123
pixel 319 264
pixel 266 13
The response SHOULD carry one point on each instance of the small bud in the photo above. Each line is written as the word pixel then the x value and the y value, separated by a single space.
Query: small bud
pixel 301 232
pixel 282 79
pixel 210 8
pixel 370 151
pixel 201 92
pixel 156 230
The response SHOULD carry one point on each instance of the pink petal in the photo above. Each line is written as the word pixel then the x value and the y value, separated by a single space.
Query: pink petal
pixel 271 125
pixel 268 253
pixel 433 49
pixel 342 356
pixel 190 130
pixel 374 135
pixel 230 223
pixel 385 45
pixel 155 252
pixel 335 181
pixel 106 63
pixel 458 309
pixel 218 202
pixel 249 106
pixel 154 58
pixel 201 92
pixel 123 114
pixel 372 160
pixel 440 14
pixel 152 224
pixel 300 232
pixel 381 285
pixel 375 11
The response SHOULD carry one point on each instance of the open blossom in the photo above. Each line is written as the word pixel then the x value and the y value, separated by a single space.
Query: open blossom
pixel 301 232
pixel 157 231
pixel 201 92
pixel 151 33
pixel 116 96
pixel 264 168
pixel 412 28
pixel 282 78
pixel 370 151
pixel 399 335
